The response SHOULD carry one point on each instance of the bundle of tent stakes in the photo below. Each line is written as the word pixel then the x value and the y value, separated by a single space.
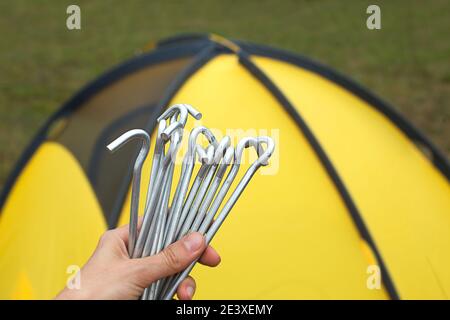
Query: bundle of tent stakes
pixel 191 210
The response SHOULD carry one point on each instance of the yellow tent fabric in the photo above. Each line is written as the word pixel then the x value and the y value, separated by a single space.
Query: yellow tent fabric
pixel 349 190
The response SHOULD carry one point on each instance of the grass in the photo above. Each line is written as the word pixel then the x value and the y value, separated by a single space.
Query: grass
pixel 42 64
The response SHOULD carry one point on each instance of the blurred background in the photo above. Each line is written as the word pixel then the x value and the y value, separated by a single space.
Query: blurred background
pixel 42 63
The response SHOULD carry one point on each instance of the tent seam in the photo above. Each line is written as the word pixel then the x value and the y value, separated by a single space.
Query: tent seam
pixel 326 163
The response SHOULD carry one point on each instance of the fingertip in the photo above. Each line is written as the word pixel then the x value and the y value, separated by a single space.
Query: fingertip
pixel 186 289
pixel 215 255
pixel 194 242
pixel 210 257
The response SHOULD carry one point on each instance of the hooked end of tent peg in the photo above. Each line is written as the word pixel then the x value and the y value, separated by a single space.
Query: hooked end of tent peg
pixel 113 146
pixel 193 112
pixel 167 132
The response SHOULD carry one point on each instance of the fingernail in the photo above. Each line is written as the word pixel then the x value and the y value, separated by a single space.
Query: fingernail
pixel 193 242
pixel 190 291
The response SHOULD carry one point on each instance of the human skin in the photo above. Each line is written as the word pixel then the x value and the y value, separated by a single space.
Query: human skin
pixel 110 274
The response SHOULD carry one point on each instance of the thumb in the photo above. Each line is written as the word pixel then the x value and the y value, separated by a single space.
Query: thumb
pixel 172 259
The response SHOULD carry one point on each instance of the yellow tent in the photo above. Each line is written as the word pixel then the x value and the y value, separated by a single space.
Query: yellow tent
pixel 356 197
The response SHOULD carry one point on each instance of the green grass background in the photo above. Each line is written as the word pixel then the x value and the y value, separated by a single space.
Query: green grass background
pixel 42 63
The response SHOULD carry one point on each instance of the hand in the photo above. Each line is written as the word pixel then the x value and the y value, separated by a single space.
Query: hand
pixel 111 274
